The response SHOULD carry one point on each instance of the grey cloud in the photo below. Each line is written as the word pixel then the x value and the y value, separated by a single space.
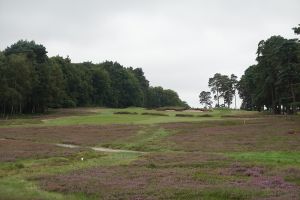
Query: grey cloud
pixel 179 44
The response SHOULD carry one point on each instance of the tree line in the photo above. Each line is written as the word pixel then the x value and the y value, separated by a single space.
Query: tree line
pixel 272 84
pixel 32 82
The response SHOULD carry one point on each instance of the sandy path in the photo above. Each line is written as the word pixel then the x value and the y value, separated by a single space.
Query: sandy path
pixel 102 149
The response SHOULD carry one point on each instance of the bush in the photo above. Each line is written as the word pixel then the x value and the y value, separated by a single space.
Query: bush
pixel 155 114
pixel 19 166
pixel 202 109
pixel 184 115
pixel 205 115
pixel 125 113
pixel 176 108
pixel 231 116
pixel 68 103
pixel 151 165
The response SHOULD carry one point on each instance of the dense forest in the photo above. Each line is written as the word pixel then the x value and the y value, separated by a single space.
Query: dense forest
pixel 272 84
pixel 31 82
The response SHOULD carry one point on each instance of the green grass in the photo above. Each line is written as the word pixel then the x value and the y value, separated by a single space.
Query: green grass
pixel 106 116
pixel 119 119
pixel 277 157
pixel 12 188
pixel 19 122
pixel 147 140
pixel 55 165
pixel 13 183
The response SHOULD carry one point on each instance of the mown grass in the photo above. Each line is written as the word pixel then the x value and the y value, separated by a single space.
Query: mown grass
pixel 118 119
pixel 143 116
pixel 270 158
pixel 54 165
pixel 107 116
pixel 146 140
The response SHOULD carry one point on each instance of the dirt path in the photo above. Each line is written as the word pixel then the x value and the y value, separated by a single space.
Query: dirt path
pixel 102 149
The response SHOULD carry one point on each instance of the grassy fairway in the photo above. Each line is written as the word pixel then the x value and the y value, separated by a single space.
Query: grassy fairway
pixel 107 116
pixel 217 155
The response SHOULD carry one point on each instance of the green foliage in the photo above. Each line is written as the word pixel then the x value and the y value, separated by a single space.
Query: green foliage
pixel 223 87
pixel 158 97
pixel 274 82
pixel 31 83
pixel 205 98
pixel 297 29
pixel 33 51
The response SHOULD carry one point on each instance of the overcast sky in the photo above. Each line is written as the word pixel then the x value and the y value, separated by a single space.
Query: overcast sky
pixel 178 43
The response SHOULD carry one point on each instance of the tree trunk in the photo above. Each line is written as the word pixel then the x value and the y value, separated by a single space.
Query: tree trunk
pixel 273 102
pixel 234 100
pixel 279 109
pixel 294 110
pixel 218 97
pixel 4 110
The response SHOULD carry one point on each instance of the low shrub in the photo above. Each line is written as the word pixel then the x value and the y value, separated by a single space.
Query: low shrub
pixel 184 115
pixel 19 166
pixel 202 109
pixel 152 166
pixel 155 114
pixel 175 108
pixel 240 116
pixel 205 115
pixel 125 113
pixel 231 116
